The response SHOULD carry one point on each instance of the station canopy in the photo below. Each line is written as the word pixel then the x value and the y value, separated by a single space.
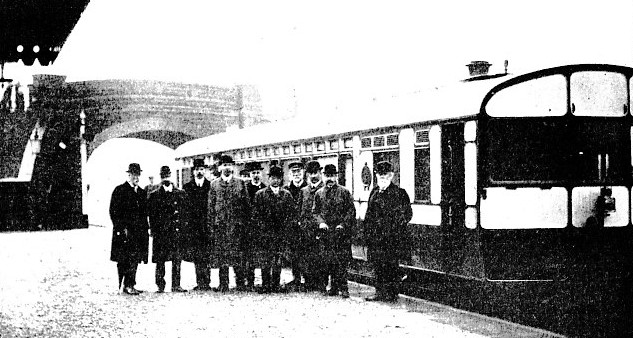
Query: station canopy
pixel 36 29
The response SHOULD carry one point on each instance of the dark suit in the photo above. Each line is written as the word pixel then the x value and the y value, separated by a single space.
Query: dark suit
pixel 335 206
pixel 310 262
pixel 386 219
pixel 130 240
pixel 198 232
pixel 295 240
pixel 168 224
pixel 228 213
pixel 249 245
pixel 274 214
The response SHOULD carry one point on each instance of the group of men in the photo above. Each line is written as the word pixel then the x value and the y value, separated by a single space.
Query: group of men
pixel 246 224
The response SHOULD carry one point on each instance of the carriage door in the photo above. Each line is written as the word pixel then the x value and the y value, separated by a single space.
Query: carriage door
pixel 453 197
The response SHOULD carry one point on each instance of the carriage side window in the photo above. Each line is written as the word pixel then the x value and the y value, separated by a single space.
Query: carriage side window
pixel 422 175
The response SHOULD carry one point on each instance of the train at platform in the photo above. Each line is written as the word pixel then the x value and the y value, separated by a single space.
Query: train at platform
pixel 520 188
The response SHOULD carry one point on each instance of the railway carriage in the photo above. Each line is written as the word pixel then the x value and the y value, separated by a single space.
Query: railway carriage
pixel 520 188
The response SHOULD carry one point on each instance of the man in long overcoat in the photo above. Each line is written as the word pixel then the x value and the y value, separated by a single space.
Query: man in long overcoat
pixel 316 277
pixel 198 233
pixel 130 240
pixel 388 214
pixel 335 213
pixel 250 240
pixel 295 242
pixel 168 226
pixel 274 213
pixel 228 210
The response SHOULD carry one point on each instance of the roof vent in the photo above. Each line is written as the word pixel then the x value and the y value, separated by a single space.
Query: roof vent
pixel 477 68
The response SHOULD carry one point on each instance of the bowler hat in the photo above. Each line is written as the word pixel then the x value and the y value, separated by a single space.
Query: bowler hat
pixel 250 166
pixel 295 165
pixel 199 163
pixel 276 171
pixel 384 167
pixel 165 172
pixel 134 168
pixel 226 159
pixel 313 167
pixel 329 170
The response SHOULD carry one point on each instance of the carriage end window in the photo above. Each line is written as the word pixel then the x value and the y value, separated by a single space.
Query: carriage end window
pixel 422 175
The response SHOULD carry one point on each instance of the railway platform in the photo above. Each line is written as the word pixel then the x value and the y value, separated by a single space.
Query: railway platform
pixel 61 284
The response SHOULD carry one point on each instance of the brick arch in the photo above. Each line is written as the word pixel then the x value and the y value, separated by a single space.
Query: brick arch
pixel 157 129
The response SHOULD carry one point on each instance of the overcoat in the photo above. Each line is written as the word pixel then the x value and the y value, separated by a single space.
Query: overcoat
pixel 274 215
pixel 308 226
pixel 128 212
pixel 198 234
pixel 386 223
pixel 295 240
pixel 307 223
pixel 252 237
pixel 228 211
pixel 335 206
pixel 168 222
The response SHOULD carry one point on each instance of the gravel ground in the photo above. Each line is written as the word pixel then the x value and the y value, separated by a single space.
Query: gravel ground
pixel 61 284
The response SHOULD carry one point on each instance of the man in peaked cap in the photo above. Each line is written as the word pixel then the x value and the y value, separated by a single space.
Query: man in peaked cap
pixel 168 224
pixel 335 213
pixel 273 212
pixel 388 214
pixel 128 211
pixel 297 182
pixel 228 210
pixel 199 236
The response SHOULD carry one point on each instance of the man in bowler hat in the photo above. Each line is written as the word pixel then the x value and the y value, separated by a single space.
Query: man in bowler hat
pixel 316 278
pixel 199 235
pixel 128 212
pixel 334 211
pixel 168 223
pixel 388 214
pixel 246 280
pixel 228 210
pixel 273 212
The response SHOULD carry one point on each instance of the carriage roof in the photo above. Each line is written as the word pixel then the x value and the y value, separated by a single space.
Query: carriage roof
pixel 440 103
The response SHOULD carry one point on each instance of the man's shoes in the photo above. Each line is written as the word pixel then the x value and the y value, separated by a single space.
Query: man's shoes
pixel 160 290
pixel 332 292
pixel 345 294
pixel 241 288
pixel 131 291
pixel 382 298
pixel 139 291
pixel 202 288
pixel 221 288
pixel 375 298
pixel 178 289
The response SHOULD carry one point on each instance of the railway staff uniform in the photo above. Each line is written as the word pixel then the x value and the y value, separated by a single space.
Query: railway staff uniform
pixel 168 224
pixel 295 240
pixel 386 221
pixel 335 213
pixel 250 241
pixel 130 241
pixel 228 208
pixel 273 212
pixel 316 278
pixel 198 234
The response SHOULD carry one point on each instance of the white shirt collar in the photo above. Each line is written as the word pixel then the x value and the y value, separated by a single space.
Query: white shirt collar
pixel 199 182
pixel 168 189
pixel 275 190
